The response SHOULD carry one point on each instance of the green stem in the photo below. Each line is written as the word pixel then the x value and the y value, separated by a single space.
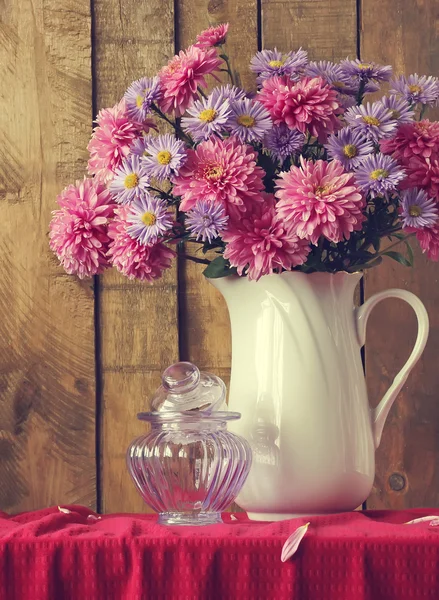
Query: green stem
pixel 377 254
pixel 229 67
pixel 422 113
pixel 361 92
pixel 178 130
pixel 201 261
pixel 200 91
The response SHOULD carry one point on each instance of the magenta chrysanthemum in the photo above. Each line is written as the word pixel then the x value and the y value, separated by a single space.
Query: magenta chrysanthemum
pixel 308 105
pixel 428 239
pixel 220 171
pixel 78 234
pixel 419 139
pixel 262 242
pixel 320 199
pixel 132 258
pixel 182 76
pixel 214 36
pixel 111 140
pixel 423 173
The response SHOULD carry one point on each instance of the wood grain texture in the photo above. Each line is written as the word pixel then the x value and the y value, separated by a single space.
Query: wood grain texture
pixel 47 382
pixel 405 36
pixel 138 322
pixel 204 320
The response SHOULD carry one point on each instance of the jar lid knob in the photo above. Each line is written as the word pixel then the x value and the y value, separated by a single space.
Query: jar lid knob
pixel 181 378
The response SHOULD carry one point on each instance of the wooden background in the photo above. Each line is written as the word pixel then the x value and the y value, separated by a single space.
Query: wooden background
pixel 79 359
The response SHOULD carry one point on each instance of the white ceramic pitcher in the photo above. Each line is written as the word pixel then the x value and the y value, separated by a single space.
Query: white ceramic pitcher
pixel 298 381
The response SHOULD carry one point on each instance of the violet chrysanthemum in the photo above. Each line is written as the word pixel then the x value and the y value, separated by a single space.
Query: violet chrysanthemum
pixel 148 219
pixel 223 172
pixel 416 88
pixel 166 156
pixel 283 142
pixel 78 230
pixel 207 116
pixel 379 175
pixel 249 120
pixel 141 95
pixel 262 243
pixel 130 257
pixel 320 199
pixel 214 36
pixel 373 120
pixel 349 147
pixel 333 74
pixel 182 76
pixel 206 220
pixel 366 71
pixel 308 105
pixel 417 209
pixel 230 92
pixel 130 181
pixel 268 63
pixel 400 109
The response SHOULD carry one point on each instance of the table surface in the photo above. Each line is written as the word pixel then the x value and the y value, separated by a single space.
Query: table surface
pixel 72 553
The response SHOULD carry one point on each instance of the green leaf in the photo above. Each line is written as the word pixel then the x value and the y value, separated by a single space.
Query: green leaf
pixel 219 267
pixel 410 256
pixel 376 242
pixel 398 257
pixel 223 56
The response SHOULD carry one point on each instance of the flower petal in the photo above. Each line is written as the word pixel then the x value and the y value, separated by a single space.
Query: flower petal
pixel 291 545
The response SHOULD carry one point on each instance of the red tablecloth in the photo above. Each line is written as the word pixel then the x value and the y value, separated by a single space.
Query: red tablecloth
pixel 52 555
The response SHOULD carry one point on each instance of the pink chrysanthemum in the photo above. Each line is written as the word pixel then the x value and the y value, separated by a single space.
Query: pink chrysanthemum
pixel 78 231
pixel 220 171
pixel 423 174
pixel 420 139
pixel 130 257
pixel 307 105
pixel 262 243
pixel 214 36
pixel 111 140
pixel 320 199
pixel 182 76
pixel 428 239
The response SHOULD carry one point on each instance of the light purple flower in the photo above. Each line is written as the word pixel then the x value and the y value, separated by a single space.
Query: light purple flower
pixel 141 95
pixel 249 121
pixel 131 180
pixel 379 175
pixel 282 142
pixel 417 209
pixel 148 219
pixel 268 63
pixel 230 92
pixel 208 116
pixel 416 88
pixel 400 109
pixel 206 220
pixel 138 147
pixel 366 71
pixel 333 74
pixel 346 101
pixel 167 155
pixel 349 146
pixel 373 120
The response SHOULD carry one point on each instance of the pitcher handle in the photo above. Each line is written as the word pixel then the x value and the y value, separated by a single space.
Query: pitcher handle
pixel 379 414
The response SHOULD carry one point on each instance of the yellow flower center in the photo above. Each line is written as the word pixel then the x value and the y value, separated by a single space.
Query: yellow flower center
pixel 350 150
pixel 338 84
pixel 246 120
pixel 321 190
pixel 379 174
pixel 364 66
pixel 131 181
pixel 415 210
pixel 207 115
pixel 415 89
pixel 213 172
pixel 372 121
pixel 146 153
pixel 149 219
pixel 164 157
pixel 395 114
pixel 276 63
pixel 139 101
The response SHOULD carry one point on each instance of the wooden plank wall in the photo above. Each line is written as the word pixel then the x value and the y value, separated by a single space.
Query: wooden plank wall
pixel 78 360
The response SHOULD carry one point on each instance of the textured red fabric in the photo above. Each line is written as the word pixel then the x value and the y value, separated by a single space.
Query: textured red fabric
pixel 51 555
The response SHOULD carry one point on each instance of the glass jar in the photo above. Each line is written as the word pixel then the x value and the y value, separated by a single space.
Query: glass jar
pixel 189 468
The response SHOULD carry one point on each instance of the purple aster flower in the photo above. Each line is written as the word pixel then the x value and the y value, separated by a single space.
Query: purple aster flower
pixel 416 88
pixel 379 175
pixel 346 101
pixel 374 120
pixel 268 63
pixel 230 92
pixel 141 95
pixel 250 121
pixel 400 109
pixel 417 209
pixel 282 141
pixel 206 220
pixel 333 74
pixel 131 180
pixel 349 146
pixel 138 147
pixel 166 156
pixel 148 219
pixel 365 71
pixel 208 116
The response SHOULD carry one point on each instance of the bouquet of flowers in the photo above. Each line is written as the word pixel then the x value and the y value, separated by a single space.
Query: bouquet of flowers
pixel 301 174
